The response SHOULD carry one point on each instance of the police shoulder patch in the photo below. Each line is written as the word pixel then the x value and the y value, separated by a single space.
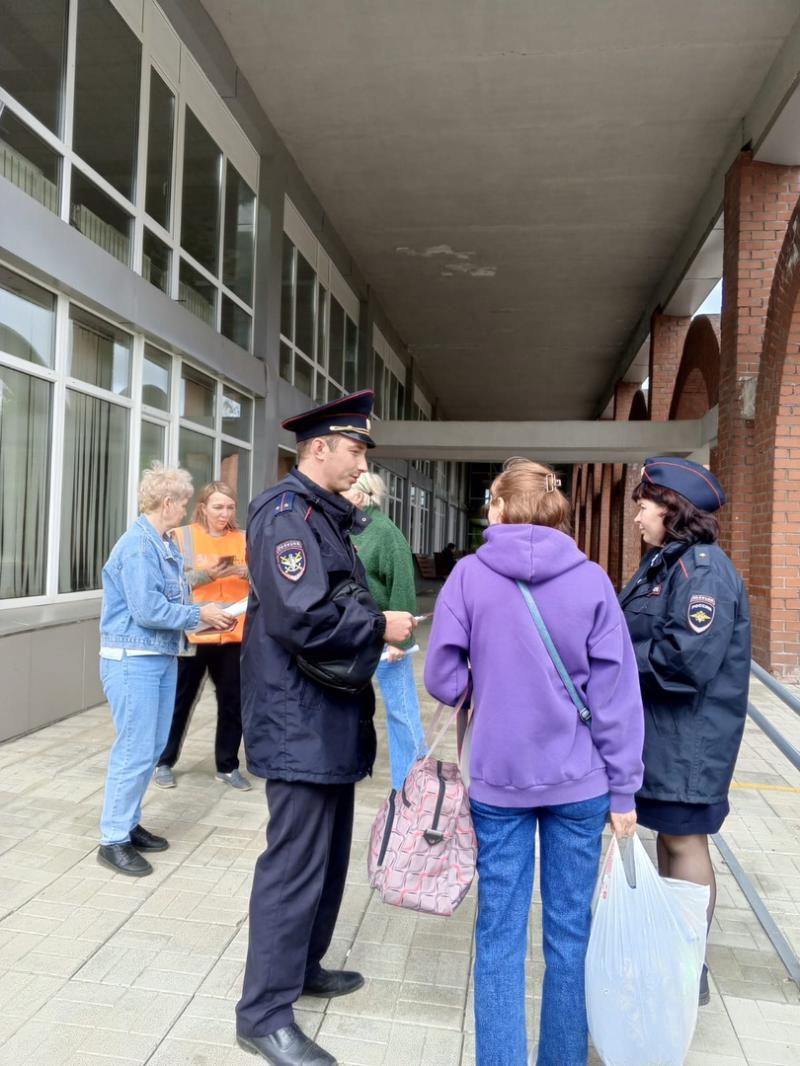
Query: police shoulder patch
pixel 290 556
pixel 702 610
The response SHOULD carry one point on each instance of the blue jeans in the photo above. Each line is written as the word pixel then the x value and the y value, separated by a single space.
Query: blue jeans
pixel 405 733
pixel 570 836
pixel 141 691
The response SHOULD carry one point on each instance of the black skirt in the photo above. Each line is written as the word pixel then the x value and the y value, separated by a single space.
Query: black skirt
pixel 681 819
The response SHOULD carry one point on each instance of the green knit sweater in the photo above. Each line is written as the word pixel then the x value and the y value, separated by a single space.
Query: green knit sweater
pixel 386 556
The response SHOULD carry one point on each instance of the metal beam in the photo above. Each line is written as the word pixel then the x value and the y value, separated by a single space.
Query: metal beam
pixel 554 442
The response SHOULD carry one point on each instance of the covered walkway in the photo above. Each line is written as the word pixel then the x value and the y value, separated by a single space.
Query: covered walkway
pixel 102 971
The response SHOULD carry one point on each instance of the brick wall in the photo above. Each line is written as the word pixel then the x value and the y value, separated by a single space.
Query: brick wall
pixel 696 386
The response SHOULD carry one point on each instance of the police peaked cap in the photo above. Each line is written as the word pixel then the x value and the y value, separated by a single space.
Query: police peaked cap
pixel 688 479
pixel 348 416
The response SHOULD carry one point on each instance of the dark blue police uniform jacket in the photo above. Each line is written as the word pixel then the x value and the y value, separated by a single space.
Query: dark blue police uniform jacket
pixel 298 548
pixel 687 612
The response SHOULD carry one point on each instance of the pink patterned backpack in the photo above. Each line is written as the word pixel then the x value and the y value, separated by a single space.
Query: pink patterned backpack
pixel 422 847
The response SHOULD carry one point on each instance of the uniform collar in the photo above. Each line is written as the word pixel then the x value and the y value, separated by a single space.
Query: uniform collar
pixel 333 504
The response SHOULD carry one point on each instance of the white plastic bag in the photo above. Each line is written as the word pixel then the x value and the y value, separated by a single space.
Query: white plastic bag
pixel 646 951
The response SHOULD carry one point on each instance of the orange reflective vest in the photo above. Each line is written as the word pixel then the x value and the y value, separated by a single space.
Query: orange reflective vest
pixel 201 551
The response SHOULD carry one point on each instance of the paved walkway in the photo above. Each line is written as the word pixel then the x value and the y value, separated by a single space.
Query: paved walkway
pixel 99 970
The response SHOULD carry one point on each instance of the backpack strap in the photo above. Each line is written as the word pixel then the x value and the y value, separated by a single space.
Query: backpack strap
pixel 584 713
pixel 433 741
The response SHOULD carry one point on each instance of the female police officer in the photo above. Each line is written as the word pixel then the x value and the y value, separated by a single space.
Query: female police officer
pixel 687 612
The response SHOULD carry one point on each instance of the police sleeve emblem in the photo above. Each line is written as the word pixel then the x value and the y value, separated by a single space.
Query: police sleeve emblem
pixel 701 613
pixel 290 556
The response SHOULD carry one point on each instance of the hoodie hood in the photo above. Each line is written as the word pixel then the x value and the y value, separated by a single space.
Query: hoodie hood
pixel 529 553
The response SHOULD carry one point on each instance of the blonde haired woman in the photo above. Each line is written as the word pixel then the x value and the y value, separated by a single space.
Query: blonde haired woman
pixel 387 559
pixel 214 552
pixel 145 611
pixel 534 762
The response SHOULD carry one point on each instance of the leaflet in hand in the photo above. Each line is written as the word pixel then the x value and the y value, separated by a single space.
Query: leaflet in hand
pixel 408 651
pixel 236 610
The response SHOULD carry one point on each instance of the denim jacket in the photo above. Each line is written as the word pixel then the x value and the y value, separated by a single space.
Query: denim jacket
pixel 146 600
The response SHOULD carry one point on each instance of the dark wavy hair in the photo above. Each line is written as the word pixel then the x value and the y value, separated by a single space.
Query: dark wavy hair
pixel 682 521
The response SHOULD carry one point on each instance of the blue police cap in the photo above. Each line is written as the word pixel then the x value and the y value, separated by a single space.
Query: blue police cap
pixel 348 415
pixel 691 480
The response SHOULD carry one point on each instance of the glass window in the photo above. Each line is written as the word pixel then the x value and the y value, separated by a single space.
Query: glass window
pixel 27 162
pixel 236 323
pixel 152 446
pixel 237 414
pixel 198 396
pixel 99 218
pixel 240 230
pixel 322 326
pixel 286 362
pixel 303 375
pixel 197 294
pixel 336 341
pixel 392 396
pixel 93 496
pixel 160 138
pixel 32 56
pixel 155 264
pixel 287 284
pixel 107 75
pixel 99 353
pixel 27 319
pixel 234 469
pixel 305 326
pixel 320 388
pixel 196 454
pixel 156 376
pixel 202 168
pixel 350 355
pixel 25 410
pixel 401 401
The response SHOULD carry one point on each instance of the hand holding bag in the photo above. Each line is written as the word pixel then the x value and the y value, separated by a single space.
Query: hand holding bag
pixel 423 849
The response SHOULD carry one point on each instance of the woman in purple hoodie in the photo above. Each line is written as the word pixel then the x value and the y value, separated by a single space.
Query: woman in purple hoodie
pixel 533 760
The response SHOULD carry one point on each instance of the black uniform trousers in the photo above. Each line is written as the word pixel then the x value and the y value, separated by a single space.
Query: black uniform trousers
pixel 297 891
pixel 222 663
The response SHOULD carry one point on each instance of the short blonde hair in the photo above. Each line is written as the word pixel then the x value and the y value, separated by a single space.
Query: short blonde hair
pixel 160 481
pixel 531 495
pixel 373 488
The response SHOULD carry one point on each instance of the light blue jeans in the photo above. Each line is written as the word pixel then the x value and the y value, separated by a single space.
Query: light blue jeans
pixel 570 836
pixel 405 733
pixel 141 691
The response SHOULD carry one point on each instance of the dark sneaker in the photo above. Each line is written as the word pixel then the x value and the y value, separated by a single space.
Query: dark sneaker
pixel 143 840
pixel 288 1046
pixel 327 984
pixel 123 859
pixel 235 779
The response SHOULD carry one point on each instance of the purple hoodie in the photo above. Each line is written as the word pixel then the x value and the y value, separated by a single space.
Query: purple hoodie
pixel 529 747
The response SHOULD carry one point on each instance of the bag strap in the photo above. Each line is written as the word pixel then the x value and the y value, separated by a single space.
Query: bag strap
pixel 432 743
pixel 584 713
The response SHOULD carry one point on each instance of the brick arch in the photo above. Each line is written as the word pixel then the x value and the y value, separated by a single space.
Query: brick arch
pixel 697 381
pixel 775 554
pixel 639 411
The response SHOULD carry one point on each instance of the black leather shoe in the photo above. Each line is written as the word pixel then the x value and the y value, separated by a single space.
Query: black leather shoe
pixel 288 1046
pixel 124 858
pixel 330 983
pixel 143 840
pixel 705 995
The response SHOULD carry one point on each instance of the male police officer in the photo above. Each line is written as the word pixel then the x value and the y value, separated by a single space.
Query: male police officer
pixel 312 743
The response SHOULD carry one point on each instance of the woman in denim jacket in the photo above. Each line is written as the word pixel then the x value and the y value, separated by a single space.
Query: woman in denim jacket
pixel 146 608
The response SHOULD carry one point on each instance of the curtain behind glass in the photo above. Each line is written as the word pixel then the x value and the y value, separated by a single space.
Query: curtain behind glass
pixel 93 497
pixel 25 404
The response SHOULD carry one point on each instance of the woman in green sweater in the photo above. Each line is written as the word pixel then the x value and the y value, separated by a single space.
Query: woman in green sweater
pixel 387 559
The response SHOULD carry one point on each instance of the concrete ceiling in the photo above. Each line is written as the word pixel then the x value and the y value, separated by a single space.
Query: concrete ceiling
pixel 512 178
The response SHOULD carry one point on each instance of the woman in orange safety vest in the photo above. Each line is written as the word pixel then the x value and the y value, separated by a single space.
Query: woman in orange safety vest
pixel 213 550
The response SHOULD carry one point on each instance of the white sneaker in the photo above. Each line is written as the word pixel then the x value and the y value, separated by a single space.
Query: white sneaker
pixel 164 777
pixel 235 780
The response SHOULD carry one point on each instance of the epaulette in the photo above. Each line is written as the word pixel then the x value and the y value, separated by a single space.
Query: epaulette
pixel 284 503
pixel 702 556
